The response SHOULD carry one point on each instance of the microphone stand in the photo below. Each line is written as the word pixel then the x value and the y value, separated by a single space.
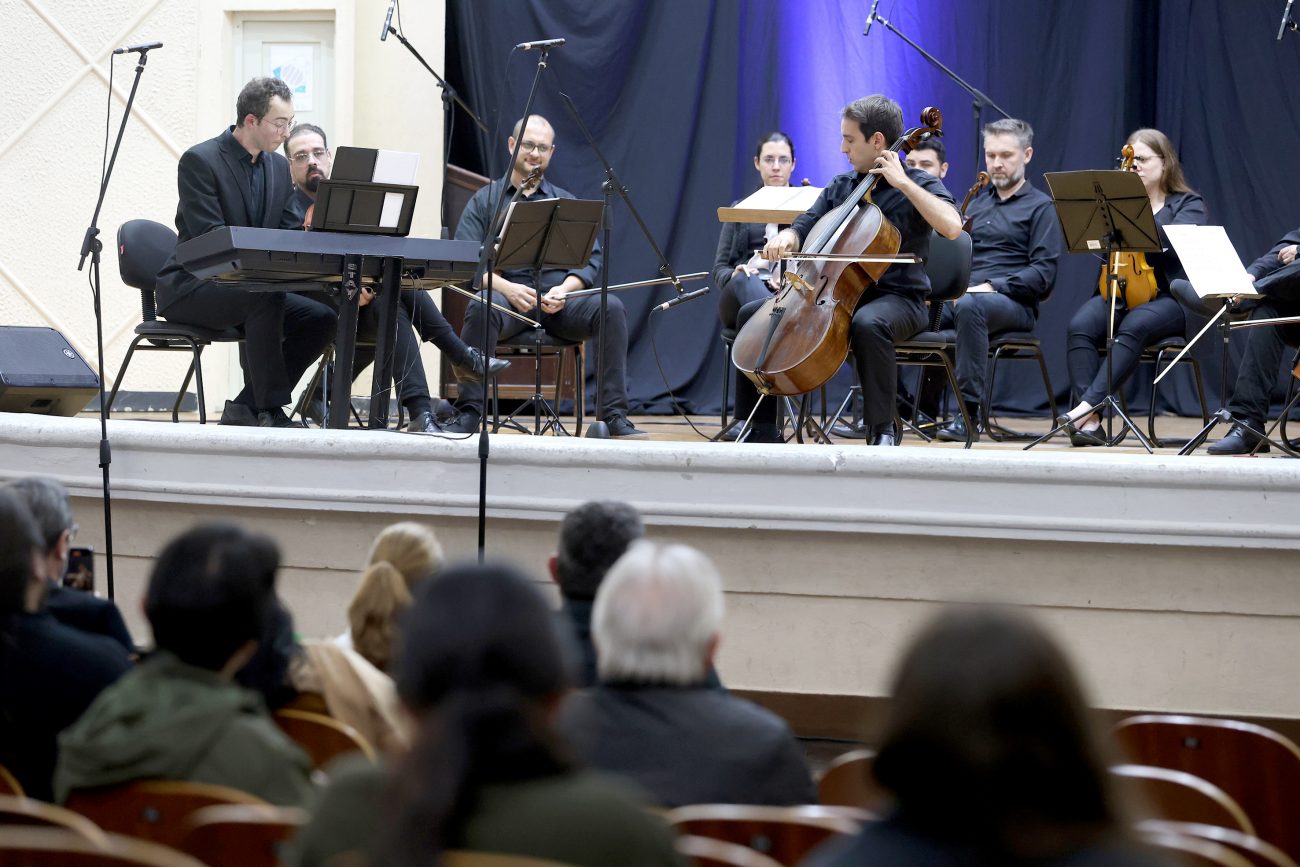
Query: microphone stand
pixel 449 98
pixel 978 98
pixel 484 274
pixel 92 246
pixel 598 428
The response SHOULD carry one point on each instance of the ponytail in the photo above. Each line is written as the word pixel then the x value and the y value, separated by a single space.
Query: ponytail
pixel 380 599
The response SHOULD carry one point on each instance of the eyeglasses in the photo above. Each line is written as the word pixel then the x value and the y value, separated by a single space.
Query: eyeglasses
pixel 280 125
pixel 776 161
pixel 535 146
pixel 318 154
pixel 1144 160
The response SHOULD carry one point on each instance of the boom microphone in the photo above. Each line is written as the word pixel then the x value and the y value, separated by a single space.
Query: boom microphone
pixel 1286 21
pixel 540 43
pixel 871 17
pixel 388 20
pixel 680 299
pixel 142 48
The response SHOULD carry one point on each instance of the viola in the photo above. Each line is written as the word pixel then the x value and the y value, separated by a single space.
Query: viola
pixel 799 338
pixel 981 181
pixel 1135 274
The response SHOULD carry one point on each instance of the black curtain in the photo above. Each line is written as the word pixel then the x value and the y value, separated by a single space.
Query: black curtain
pixel 676 92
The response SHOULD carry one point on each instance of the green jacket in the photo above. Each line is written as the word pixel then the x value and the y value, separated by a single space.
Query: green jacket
pixel 167 720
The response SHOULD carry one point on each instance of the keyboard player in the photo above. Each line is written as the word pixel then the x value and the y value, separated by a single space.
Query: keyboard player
pixel 238 179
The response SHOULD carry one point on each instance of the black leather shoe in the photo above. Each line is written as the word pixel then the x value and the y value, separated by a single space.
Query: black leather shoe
pixel 238 414
pixel 466 422
pixel 731 434
pixel 620 428
pixel 855 431
pixel 424 423
pixel 1239 441
pixel 955 430
pixel 1093 437
pixel 276 418
pixel 474 370
pixel 764 433
pixel 887 434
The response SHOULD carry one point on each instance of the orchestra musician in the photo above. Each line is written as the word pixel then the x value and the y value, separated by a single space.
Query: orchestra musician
pixel 310 162
pixel 930 156
pixel 577 319
pixel 1172 201
pixel 1015 245
pixel 894 307
pixel 238 179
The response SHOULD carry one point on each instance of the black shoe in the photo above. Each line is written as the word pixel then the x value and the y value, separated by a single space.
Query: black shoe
pixel 1239 441
pixel 887 434
pixel 314 412
pixel 764 433
pixel 238 414
pixel 622 429
pixel 955 430
pixel 444 412
pixel 1093 437
pixel 855 431
pixel 424 422
pixel 732 432
pixel 276 418
pixel 466 421
pixel 474 370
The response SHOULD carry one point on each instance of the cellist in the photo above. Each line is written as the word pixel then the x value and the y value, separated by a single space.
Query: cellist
pixel 894 307
pixel 1172 201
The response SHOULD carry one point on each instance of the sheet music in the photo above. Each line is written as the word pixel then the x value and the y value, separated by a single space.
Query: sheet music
pixel 396 167
pixel 1211 262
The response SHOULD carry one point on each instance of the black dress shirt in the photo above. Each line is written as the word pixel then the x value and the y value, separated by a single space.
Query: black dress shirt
pixel 254 175
pixel 477 217
pixel 1181 208
pixel 1016 243
pixel 906 280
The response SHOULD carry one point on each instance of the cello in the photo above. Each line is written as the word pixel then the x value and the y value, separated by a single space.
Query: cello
pixel 1136 275
pixel 799 337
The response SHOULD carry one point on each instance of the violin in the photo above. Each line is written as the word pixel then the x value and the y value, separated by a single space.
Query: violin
pixel 981 181
pixel 1135 274
pixel 799 338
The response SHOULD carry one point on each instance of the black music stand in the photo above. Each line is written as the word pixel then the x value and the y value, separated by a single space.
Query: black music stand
pixel 1104 212
pixel 548 233
pixel 370 208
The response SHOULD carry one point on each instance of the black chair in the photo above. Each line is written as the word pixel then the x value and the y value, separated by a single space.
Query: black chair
pixel 1013 346
pixel 142 249
pixel 1156 354
pixel 535 342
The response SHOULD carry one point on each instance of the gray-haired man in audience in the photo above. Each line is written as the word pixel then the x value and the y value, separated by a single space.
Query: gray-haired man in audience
pixel 652 718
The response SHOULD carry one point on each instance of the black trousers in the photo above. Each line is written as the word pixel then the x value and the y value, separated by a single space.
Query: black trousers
pixel 283 334
pixel 976 317
pixel 432 326
pixel 880 321
pixel 1135 330
pixel 740 290
pixel 1265 348
pixel 579 320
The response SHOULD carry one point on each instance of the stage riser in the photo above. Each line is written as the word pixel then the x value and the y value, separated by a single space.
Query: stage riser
pixel 1190 606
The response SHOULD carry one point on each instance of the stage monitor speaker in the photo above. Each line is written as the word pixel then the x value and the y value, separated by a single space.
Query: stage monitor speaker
pixel 41 373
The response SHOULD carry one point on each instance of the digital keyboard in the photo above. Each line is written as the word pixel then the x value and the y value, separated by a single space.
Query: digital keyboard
pixel 238 254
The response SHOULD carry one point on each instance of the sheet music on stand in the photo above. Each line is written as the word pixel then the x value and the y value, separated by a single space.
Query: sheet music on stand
pixel 1212 265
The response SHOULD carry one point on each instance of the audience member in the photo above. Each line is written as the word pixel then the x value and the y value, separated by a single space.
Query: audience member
pixel 592 538
pixel 990 757
pixel 179 715
pixel 267 673
pixel 49 672
pixel 652 718
pixel 402 556
pixel 47 500
pixel 480 668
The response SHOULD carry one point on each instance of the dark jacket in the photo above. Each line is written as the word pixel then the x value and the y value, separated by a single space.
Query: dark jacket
pixel 688 745
pixel 89 613
pixel 214 192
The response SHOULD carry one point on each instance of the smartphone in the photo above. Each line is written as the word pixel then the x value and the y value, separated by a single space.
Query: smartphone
pixel 81 570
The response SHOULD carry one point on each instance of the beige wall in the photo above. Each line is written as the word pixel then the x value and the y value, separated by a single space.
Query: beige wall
pixel 54 62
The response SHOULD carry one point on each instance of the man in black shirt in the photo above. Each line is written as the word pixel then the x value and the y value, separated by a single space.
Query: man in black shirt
pixel 1015 245
pixel 930 156
pixel 578 319
pixel 237 179
pixel 894 308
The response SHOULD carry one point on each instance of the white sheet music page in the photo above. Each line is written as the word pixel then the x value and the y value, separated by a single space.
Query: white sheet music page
pixel 396 167
pixel 1211 263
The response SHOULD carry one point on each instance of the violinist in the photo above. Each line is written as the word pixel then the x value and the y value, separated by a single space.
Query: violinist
pixel 1172 201
pixel 893 308
pixel 1015 245
pixel 930 156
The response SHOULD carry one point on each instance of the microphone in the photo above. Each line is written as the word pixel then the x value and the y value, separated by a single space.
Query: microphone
pixel 540 43
pixel 142 48
pixel 1286 20
pixel 871 17
pixel 388 20
pixel 680 299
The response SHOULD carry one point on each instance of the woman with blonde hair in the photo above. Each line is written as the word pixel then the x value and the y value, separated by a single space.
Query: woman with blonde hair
pixel 402 556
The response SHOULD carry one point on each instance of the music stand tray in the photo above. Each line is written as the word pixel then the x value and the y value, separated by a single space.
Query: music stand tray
pixel 1104 212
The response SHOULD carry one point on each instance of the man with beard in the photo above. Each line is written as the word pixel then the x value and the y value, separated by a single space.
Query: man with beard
pixel 1015 245
pixel 578 319
pixel 310 162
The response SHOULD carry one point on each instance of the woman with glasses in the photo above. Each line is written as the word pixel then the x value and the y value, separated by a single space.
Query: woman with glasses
pixel 1172 201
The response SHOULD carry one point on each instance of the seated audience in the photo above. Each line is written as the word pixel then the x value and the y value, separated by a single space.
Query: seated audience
pixel 267 673
pixel 47 500
pixel 653 718
pixel 592 538
pixel 402 556
pixel 49 672
pixel 179 715
pixel 991 758
pixel 480 667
